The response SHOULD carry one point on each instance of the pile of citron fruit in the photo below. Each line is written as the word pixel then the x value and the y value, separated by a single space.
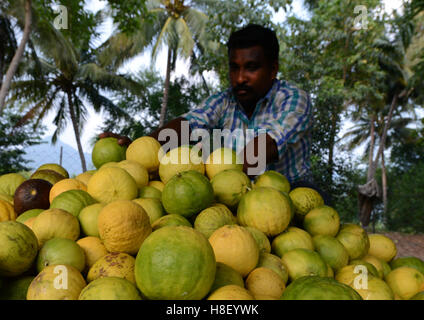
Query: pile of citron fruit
pixel 150 225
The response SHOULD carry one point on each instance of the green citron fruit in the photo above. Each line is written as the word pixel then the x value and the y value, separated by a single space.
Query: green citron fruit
pixel 73 201
pixel 18 249
pixel 58 251
pixel 187 193
pixel 319 288
pixel 175 263
pixel 107 150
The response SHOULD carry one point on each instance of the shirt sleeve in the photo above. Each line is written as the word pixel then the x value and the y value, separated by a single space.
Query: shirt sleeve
pixel 206 115
pixel 292 122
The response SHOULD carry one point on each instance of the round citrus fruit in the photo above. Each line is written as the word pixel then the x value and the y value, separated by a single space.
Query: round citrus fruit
pixel 322 220
pixel 107 150
pixel 292 238
pixel 18 248
pixel 55 223
pixel 266 209
pixel 304 200
pixel 229 186
pixel 187 271
pixel 147 151
pixel 187 193
pixel 355 239
pixel 234 246
pixel 114 264
pixel 171 219
pixel 56 282
pixel 265 284
pixel 319 288
pixel 412 262
pixel 111 184
pixel 212 218
pixel 382 247
pixel 405 282
pixel 331 250
pixel 60 251
pixel 123 226
pixel 110 288
pixel 304 262
pixel 273 179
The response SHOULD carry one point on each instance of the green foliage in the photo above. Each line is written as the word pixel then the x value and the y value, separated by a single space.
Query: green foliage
pixel 145 107
pixel 406 203
pixel 14 140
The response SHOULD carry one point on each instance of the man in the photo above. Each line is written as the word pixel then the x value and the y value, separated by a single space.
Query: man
pixel 279 114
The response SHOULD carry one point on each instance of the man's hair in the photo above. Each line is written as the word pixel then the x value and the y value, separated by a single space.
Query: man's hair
pixel 255 35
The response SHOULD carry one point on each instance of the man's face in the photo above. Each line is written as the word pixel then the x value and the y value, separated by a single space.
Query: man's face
pixel 251 75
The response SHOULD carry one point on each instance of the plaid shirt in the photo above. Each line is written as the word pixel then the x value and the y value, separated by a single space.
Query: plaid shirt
pixel 285 114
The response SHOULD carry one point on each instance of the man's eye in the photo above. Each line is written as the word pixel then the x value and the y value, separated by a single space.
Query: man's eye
pixel 252 67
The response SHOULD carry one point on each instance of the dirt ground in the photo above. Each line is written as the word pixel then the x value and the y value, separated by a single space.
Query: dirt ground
pixel 408 245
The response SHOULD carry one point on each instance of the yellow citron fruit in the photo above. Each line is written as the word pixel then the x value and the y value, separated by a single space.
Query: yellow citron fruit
pixel 234 246
pixel 56 282
pixel 65 185
pixel 376 263
pixel 147 151
pixel 405 282
pixel 382 247
pixel 157 184
pixel 178 160
pixel 85 176
pixel 222 159
pixel 136 170
pixel 123 226
pixel 93 249
pixel 55 223
pixel 112 183
pixel 113 264
pixel 265 284
pixel 7 213
pixel 231 292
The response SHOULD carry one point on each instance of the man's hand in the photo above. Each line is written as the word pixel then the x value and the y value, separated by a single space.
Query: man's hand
pixel 257 152
pixel 122 140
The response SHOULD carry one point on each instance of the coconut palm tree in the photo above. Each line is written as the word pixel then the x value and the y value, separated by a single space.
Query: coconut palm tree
pixel 65 78
pixel 401 86
pixel 175 25
pixel 13 66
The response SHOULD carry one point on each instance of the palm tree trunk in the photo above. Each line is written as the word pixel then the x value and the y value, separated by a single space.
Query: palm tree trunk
pixel 369 192
pixel 166 89
pixel 76 131
pixel 17 57
pixel 372 143
pixel 384 183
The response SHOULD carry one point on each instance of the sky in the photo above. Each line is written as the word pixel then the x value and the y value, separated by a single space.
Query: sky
pixel 94 120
